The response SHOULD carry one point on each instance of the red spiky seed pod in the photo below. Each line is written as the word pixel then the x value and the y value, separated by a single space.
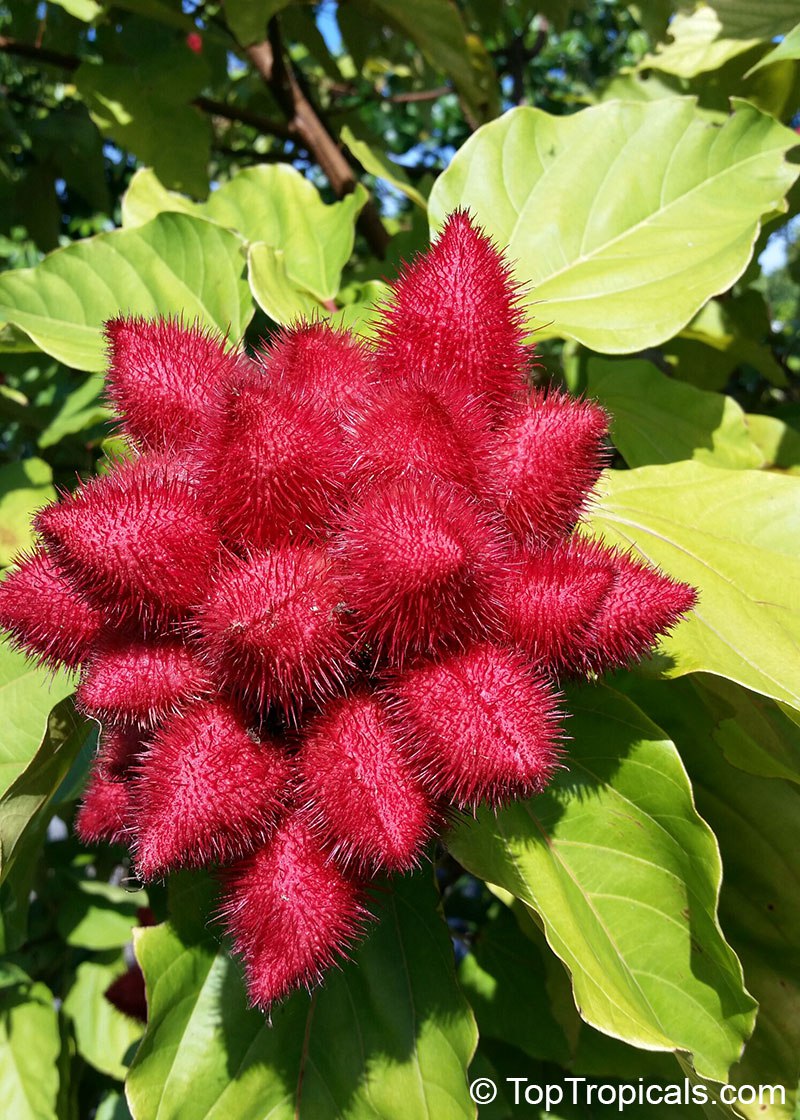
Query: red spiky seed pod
pixel 291 913
pixel 643 604
pixel 127 993
pixel 163 376
pixel 422 566
pixel 314 360
pixel 44 614
pixel 206 792
pixel 275 464
pixel 479 725
pixel 118 751
pixel 358 790
pixel 104 814
pixel 274 629
pixel 384 531
pixel 405 429
pixel 453 323
pixel 134 542
pixel 548 458
pixel 553 595
pixel 134 680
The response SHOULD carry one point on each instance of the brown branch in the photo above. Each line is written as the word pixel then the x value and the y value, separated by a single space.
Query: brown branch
pixel 305 122
pixel 244 116
pixel 214 108
pixel 39 54
pixel 419 95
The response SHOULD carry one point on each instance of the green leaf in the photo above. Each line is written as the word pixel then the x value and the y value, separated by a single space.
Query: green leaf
pixel 737 327
pixel 658 420
pixel 754 733
pixel 103 1034
pixel 147 197
pixel 145 109
pixel 25 487
pixel 505 980
pixel 113 1107
pixel 274 292
pixel 620 269
pixel 85 10
pixel 248 19
pixel 757 823
pixel 30 1044
pixel 28 694
pixel 377 163
pixel 438 30
pixel 788 48
pixel 625 877
pixel 173 265
pixel 298 243
pixel 735 535
pixel 698 43
pixel 82 409
pixel 388 1036
pixel 99 916
pixel 28 796
pixel 779 443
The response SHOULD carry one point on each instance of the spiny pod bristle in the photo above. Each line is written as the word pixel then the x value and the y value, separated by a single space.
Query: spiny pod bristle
pixel 274 465
pixel 480 725
pixel 329 603
pixel 191 805
pixel 454 322
pixel 313 359
pixel 422 565
pixel 547 461
pixel 273 627
pixel 134 680
pixel 163 376
pixel 642 604
pixel 135 542
pixel 291 913
pixel 45 615
pixel 358 789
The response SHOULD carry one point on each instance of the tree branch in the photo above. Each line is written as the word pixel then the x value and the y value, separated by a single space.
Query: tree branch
pixel 303 122
pixel 277 72
pixel 39 54
pixel 71 62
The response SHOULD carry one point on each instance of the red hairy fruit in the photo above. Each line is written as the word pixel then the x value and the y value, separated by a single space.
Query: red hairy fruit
pixel 480 725
pixel 454 323
pixel 643 604
pixel 140 681
pixel 553 596
pixel 274 628
pixel 313 360
pixel 358 789
pixel 291 913
pixel 134 541
pixel 127 993
pixel 371 549
pixel 163 376
pixel 104 815
pixel 118 751
pixel 422 567
pixel 405 429
pixel 44 614
pixel 205 792
pixel 548 458
pixel 275 463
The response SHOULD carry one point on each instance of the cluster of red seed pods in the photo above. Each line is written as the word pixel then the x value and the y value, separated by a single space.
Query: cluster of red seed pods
pixel 330 598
